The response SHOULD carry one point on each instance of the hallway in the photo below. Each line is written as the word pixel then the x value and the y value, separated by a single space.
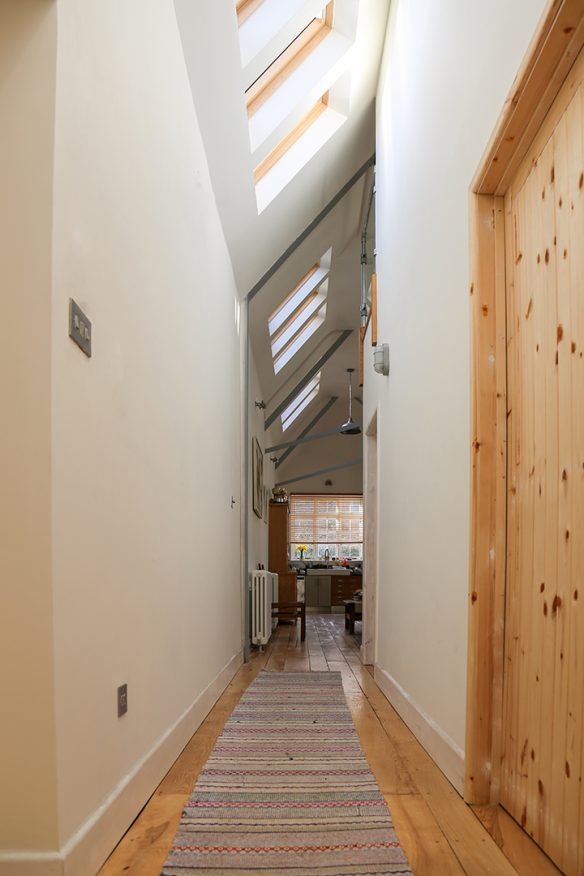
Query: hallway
pixel 441 835
pixel 316 260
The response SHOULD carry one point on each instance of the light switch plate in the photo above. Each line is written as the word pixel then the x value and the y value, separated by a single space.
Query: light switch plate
pixel 122 700
pixel 79 327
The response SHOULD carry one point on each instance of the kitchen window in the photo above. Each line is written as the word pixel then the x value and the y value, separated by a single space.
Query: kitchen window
pixel 324 523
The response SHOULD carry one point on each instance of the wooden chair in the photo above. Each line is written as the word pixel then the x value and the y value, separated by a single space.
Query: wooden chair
pixel 353 612
pixel 291 611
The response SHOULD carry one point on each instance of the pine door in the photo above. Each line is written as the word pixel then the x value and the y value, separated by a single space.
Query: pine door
pixel 543 711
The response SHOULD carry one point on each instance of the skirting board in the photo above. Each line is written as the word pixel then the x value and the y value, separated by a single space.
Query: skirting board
pixel 447 755
pixel 86 851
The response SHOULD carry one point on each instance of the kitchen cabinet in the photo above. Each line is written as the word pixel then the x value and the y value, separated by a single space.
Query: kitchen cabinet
pixel 311 592
pixel 318 591
pixel 343 588
pixel 327 590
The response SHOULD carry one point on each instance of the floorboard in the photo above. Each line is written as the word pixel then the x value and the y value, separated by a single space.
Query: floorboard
pixel 424 843
pixel 526 857
pixel 441 835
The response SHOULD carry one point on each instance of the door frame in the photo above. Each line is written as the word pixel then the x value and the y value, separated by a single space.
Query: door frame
pixel 370 542
pixel 557 43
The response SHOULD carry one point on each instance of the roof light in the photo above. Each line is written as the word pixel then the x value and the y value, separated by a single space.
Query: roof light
pixel 301 402
pixel 301 313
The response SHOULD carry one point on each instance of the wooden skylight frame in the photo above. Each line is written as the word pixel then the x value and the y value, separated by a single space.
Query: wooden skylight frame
pixel 291 138
pixel 301 310
pixel 289 60
pixel 244 8
pixel 305 325
pixel 310 273
pixel 304 304
pixel 268 83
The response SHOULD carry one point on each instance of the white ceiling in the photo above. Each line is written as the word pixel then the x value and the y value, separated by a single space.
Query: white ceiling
pixel 210 38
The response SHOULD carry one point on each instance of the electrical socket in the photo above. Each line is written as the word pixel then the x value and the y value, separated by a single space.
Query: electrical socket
pixel 122 700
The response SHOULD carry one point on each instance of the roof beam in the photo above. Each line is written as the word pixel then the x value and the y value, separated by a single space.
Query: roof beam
pixel 328 405
pixel 308 377
pixel 308 428
pixel 314 474
pixel 304 439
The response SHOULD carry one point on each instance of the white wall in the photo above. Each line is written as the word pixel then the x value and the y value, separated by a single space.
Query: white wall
pixel 27 733
pixel 144 438
pixel 146 433
pixel 446 72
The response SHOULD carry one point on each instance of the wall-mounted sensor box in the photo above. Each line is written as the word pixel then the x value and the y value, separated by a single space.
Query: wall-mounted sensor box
pixel 381 359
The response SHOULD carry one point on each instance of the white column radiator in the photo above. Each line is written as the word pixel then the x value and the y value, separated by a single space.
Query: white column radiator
pixel 264 591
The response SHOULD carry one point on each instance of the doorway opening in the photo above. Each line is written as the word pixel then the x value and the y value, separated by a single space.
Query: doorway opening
pixel 370 542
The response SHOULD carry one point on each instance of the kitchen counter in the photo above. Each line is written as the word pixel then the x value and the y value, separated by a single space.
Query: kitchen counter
pixel 328 589
pixel 339 570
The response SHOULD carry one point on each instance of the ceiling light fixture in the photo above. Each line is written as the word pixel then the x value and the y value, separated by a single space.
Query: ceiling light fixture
pixel 350 427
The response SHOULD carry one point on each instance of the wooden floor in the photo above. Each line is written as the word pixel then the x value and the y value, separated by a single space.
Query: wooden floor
pixel 441 835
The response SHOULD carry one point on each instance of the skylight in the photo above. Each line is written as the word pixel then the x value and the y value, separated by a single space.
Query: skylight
pixel 301 402
pixel 292 55
pixel 292 348
pixel 301 313
pixel 294 325
pixel 282 66
pixel 270 17
pixel 288 60
pixel 294 300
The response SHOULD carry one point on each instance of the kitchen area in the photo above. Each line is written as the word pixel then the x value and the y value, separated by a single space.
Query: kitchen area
pixel 329 578
pixel 326 588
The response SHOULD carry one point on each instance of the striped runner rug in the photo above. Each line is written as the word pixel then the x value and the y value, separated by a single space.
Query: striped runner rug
pixel 287 790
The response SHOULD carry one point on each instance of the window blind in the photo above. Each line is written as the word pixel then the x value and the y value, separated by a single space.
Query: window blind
pixel 326 519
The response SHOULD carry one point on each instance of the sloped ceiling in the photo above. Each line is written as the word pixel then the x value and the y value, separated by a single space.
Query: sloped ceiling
pixel 209 33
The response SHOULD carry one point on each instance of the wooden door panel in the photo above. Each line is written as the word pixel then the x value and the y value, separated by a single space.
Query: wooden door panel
pixel 286 586
pixel 278 537
pixel 570 231
pixel 543 708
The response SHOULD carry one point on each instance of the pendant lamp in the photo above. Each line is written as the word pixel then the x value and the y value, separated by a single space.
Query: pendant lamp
pixel 350 427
